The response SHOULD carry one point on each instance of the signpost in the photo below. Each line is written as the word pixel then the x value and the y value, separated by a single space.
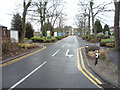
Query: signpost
pixel 96 57
pixel 55 34
pixel 60 34
pixel 40 34
pixel 48 34
pixel 14 35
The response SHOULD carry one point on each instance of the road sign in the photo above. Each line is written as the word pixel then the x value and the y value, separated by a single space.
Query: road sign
pixel 60 34
pixel 40 34
pixel 48 33
pixel 55 34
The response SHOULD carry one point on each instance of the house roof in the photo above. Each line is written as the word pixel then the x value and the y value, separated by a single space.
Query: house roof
pixel 3 26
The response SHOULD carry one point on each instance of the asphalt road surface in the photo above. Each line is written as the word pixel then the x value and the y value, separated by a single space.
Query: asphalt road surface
pixel 53 67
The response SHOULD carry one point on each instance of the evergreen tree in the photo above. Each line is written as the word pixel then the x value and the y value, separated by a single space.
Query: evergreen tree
pixel 16 23
pixel 106 28
pixel 29 30
pixel 98 26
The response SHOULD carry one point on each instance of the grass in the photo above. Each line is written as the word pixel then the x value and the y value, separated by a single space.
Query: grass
pixel 108 40
pixel 26 39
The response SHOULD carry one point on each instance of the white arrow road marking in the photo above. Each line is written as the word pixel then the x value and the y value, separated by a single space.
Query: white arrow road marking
pixel 55 53
pixel 68 55
pixel 23 79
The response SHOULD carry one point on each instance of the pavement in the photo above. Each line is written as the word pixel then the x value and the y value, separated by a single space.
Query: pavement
pixel 114 57
pixel 53 67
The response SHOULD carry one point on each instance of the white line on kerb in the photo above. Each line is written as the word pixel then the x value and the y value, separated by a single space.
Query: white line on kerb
pixel 27 76
pixel 56 52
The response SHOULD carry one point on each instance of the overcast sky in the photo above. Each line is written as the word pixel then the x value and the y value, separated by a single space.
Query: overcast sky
pixel 8 7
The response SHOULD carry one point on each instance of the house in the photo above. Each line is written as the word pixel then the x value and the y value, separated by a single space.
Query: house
pixel 4 34
pixel 111 30
pixel 8 35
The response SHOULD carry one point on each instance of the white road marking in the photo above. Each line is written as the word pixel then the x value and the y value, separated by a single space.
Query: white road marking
pixel 76 40
pixel 56 52
pixel 23 79
pixel 68 55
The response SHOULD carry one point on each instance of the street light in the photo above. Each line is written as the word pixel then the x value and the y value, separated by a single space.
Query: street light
pixel 116 23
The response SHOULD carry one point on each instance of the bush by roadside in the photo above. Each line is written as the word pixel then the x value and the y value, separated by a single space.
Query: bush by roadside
pixel 105 68
pixel 107 42
pixel 12 49
pixel 91 37
pixel 46 40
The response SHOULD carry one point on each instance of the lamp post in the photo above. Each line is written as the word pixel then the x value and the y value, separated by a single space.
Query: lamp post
pixel 116 23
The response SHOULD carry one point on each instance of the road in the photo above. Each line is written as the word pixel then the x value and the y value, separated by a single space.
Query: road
pixel 53 67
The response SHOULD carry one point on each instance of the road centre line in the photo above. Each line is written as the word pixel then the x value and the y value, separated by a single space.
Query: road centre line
pixel 81 69
pixel 55 52
pixel 23 79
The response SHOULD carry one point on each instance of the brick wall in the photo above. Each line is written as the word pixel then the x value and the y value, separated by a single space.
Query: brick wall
pixel 4 34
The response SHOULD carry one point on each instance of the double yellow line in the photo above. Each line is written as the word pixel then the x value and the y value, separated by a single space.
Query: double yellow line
pixel 20 58
pixel 82 68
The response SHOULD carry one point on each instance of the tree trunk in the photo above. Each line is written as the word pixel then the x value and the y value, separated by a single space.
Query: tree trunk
pixel 116 25
pixel 25 7
pixel 89 24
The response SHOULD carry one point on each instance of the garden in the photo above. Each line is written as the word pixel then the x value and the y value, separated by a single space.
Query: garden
pixel 47 39
pixel 10 50
pixel 104 67
pixel 104 40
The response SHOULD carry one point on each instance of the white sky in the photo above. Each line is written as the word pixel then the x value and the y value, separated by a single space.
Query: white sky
pixel 8 7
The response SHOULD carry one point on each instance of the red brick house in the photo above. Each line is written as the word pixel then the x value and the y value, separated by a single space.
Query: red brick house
pixel 4 34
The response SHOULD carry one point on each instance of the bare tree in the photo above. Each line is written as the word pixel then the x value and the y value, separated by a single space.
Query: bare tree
pixel 46 12
pixel 91 10
pixel 25 8
pixel 100 8
pixel 116 25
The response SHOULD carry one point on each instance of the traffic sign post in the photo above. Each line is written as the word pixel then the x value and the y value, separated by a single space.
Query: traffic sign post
pixel 48 34
pixel 60 34
pixel 40 34
pixel 96 57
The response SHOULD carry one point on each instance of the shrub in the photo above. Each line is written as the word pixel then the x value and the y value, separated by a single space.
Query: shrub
pixel 53 39
pixel 102 43
pixel 26 45
pixel 91 54
pixel 47 40
pixel 107 42
pixel 106 36
pixel 92 48
pixel 85 37
pixel 110 44
pixel 37 39
pixel 100 35
pixel 59 37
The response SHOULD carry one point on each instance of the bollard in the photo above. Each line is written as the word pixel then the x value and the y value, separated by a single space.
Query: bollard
pixel 86 45
pixel 96 57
